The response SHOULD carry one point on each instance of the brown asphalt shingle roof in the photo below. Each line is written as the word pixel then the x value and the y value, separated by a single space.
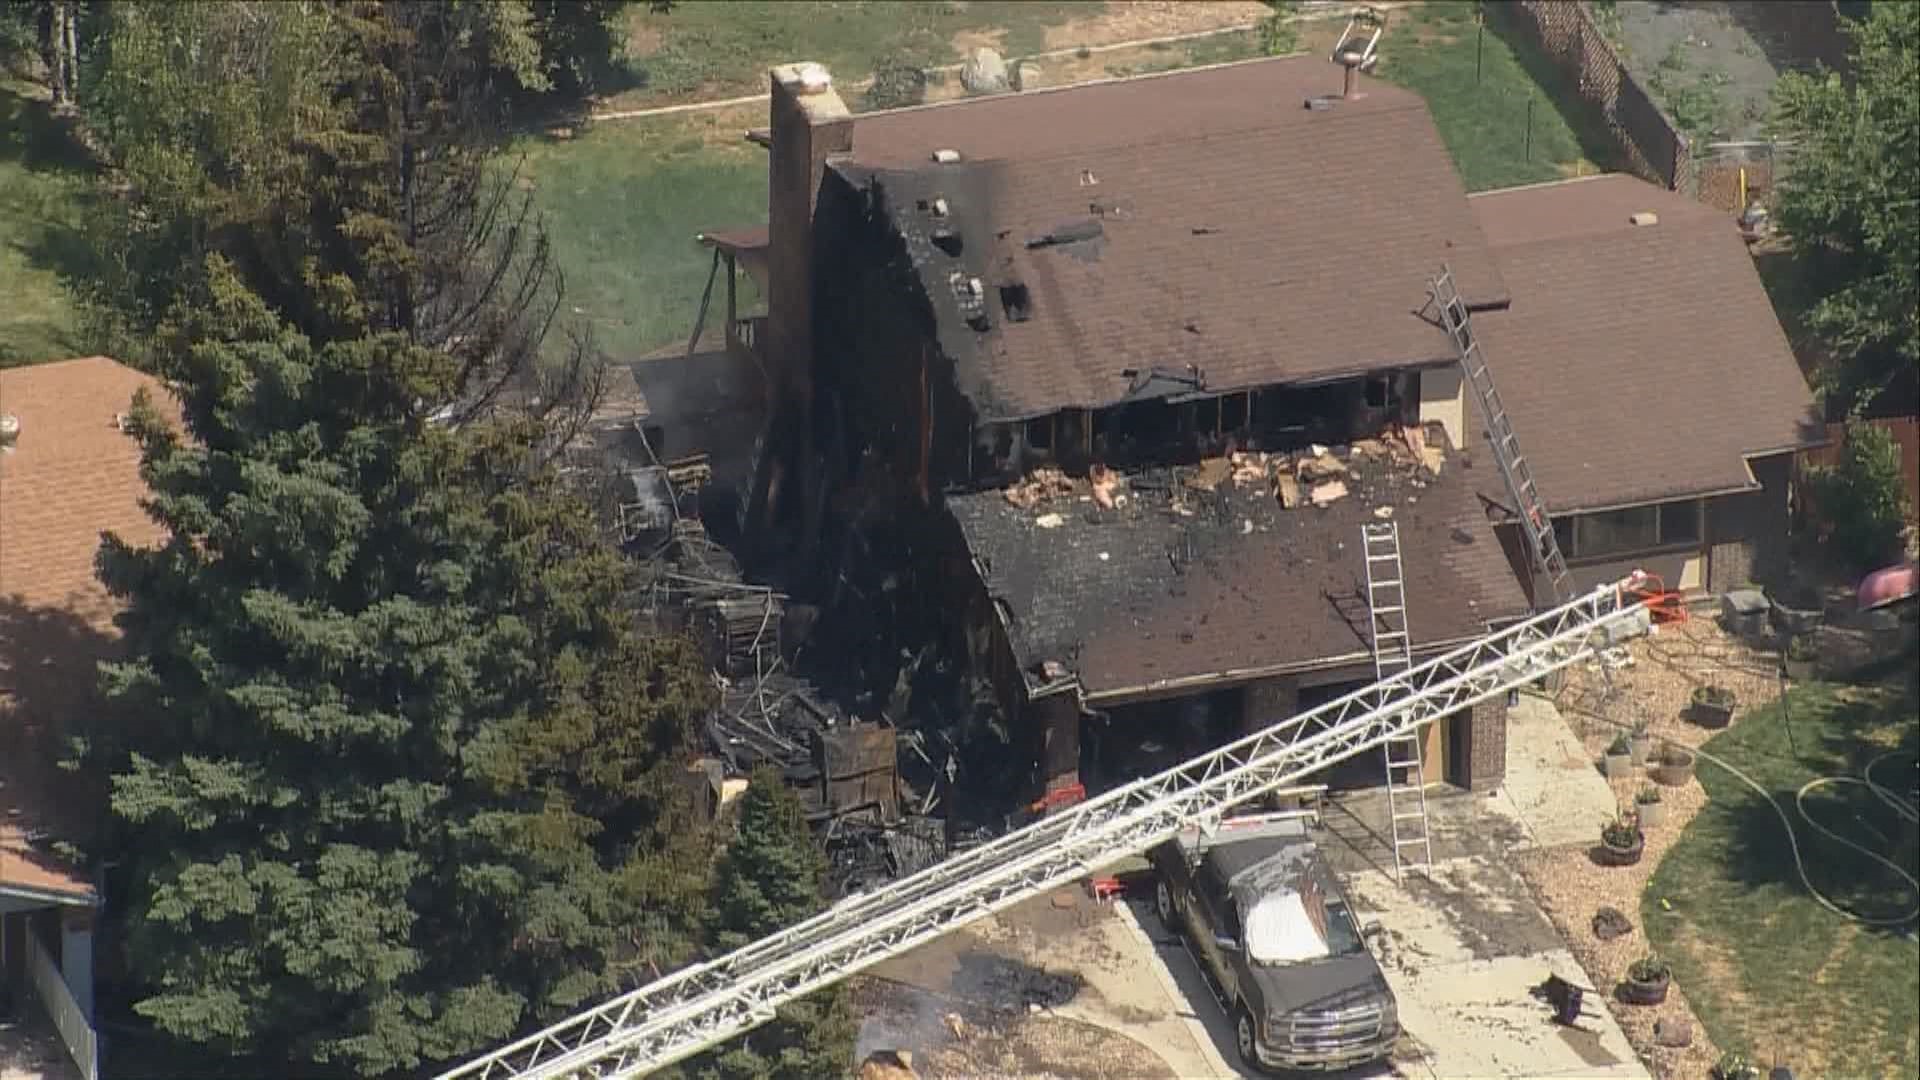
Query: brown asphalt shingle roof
pixel 1638 363
pixel 1258 589
pixel 72 476
pixel 1263 241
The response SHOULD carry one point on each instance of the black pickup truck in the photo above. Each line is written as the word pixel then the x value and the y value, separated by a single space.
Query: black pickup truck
pixel 1268 924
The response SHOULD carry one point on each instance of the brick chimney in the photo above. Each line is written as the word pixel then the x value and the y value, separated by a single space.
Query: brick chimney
pixel 810 124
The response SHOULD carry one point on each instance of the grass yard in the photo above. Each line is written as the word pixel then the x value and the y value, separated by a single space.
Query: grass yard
pixel 623 201
pixel 1483 117
pixel 710 50
pixel 1765 966
pixel 43 185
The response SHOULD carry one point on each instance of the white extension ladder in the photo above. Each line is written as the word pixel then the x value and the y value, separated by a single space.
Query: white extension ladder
pixel 1392 654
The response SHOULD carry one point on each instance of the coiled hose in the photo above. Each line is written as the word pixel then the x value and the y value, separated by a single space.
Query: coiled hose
pixel 1902 808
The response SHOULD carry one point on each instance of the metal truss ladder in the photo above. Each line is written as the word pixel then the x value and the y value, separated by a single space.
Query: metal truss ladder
pixel 1393 654
pixel 708 1003
pixel 1514 469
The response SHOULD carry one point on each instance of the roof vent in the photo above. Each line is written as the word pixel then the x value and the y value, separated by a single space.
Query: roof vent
pixel 946 157
pixel 9 430
pixel 1645 217
pixel 939 207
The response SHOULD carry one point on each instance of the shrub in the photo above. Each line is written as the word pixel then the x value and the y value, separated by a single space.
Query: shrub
pixel 896 85
pixel 1733 1065
pixel 1621 832
pixel 1717 696
pixel 1863 499
pixel 1647 796
pixel 1802 648
pixel 1619 746
pixel 1649 969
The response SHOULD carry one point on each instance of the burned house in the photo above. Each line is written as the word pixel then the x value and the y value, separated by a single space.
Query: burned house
pixel 1115 374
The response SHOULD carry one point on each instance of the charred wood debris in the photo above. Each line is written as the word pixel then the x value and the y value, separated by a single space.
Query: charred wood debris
pixel 875 784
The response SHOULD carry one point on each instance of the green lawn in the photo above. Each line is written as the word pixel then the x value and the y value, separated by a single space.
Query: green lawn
pixel 623 201
pixel 707 50
pixel 1483 117
pixel 43 183
pixel 1765 966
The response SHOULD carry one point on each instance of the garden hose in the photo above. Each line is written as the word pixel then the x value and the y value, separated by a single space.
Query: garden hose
pixel 1905 810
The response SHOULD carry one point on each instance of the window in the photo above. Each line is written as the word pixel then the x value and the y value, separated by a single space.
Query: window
pixel 1040 433
pixel 1380 393
pixel 1634 529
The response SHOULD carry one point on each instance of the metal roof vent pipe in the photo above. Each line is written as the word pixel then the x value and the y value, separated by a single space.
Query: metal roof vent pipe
pixel 9 430
pixel 1357 55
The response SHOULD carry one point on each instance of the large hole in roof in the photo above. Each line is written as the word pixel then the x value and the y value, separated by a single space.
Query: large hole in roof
pixel 1016 301
pixel 948 241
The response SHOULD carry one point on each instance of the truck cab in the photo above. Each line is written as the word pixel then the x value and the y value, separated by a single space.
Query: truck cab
pixel 1269 926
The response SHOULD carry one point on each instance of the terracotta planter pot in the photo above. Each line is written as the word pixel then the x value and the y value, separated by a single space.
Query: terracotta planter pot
pixel 1619 766
pixel 1651 813
pixel 1634 992
pixel 1642 746
pixel 1623 856
pixel 1671 774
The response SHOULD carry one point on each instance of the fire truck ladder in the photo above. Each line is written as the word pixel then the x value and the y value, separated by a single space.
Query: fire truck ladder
pixel 708 1003
pixel 1514 469
pixel 1393 654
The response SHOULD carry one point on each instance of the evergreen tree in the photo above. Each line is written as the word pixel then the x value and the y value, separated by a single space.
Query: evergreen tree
pixel 769 878
pixel 400 774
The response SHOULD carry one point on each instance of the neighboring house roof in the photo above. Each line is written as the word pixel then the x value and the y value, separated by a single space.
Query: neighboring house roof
pixel 1237 230
pixel 1638 363
pixel 1229 585
pixel 72 475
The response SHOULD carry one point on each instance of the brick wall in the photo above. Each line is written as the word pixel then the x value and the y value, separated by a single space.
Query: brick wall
pixel 1485 767
pixel 1565 31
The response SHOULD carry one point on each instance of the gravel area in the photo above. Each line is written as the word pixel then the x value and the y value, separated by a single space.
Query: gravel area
pixel 1655 683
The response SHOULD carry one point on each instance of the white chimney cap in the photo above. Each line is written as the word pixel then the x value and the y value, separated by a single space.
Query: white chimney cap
pixel 812 78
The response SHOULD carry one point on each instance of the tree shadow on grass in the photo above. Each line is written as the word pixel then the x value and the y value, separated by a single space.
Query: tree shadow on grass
pixel 1588 122
pixel 1843 744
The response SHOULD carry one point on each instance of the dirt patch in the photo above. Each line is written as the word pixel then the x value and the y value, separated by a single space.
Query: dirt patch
pixel 1140 20
pixel 966 41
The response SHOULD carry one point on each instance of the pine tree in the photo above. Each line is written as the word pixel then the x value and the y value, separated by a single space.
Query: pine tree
pixel 770 877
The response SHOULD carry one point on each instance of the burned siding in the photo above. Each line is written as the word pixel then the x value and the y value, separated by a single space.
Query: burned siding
pixel 880 340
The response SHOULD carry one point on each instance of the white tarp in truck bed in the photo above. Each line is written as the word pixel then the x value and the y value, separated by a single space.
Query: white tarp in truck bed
pixel 1282 911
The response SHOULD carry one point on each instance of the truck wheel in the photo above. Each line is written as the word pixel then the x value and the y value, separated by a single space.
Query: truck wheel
pixel 1243 1037
pixel 1163 903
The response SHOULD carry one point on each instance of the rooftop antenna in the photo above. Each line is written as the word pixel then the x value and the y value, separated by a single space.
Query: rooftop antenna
pixel 1353 54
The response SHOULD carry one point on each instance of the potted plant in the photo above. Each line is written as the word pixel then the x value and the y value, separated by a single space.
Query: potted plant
pixel 1622 841
pixel 1733 1065
pixel 1642 742
pixel 1672 766
pixel 1713 705
pixel 1646 982
pixel 1800 658
pixel 1619 758
pixel 1648 808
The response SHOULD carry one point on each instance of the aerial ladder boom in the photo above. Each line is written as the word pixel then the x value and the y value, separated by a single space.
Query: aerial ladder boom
pixel 708 1003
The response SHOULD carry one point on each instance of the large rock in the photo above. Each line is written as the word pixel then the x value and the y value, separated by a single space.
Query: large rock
pixel 985 72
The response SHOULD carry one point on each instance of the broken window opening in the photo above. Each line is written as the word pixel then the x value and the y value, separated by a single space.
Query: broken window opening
pixel 1379 392
pixel 1235 411
pixel 948 242
pixel 1016 301
pixel 1040 433
pixel 1206 415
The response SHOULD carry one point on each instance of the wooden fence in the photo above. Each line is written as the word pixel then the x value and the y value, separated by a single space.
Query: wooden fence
pixel 1565 31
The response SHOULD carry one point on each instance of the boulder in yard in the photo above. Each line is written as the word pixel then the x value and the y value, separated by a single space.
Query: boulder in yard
pixel 985 72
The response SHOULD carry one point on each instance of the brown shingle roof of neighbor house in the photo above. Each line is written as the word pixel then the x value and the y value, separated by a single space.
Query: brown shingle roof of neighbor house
pixel 72 474
pixel 1638 362
pixel 1239 231
pixel 1186 589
